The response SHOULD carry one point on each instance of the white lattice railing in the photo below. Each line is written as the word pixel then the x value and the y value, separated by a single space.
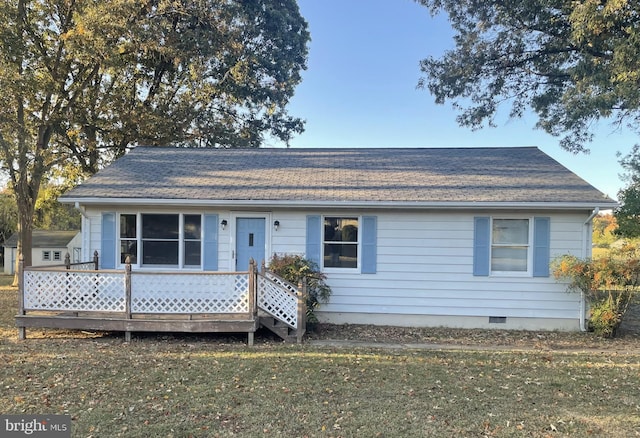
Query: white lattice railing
pixel 102 291
pixel 151 292
pixel 278 298
pixel 161 293
pixel 189 293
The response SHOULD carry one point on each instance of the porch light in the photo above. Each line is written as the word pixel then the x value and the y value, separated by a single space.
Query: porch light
pixel 276 225
pixel 223 224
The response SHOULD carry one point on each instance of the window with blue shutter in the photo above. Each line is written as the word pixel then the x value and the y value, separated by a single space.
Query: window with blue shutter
pixel 501 245
pixel 314 236
pixel 108 244
pixel 541 246
pixel 210 243
pixel 481 246
pixel 369 244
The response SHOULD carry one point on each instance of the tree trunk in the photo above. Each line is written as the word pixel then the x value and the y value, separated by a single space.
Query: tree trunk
pixel 26 208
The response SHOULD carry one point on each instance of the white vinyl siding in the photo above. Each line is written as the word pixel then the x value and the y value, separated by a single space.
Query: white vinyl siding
pixel 424 265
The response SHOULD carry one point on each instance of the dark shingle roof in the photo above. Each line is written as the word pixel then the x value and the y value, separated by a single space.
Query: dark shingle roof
pixel 44 239
pixel 431 175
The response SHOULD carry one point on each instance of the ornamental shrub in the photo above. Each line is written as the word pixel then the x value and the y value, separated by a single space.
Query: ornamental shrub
pixel 295 268
pixel 609 284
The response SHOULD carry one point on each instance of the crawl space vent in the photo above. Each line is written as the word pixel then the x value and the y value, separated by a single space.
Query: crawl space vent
pixel 497 320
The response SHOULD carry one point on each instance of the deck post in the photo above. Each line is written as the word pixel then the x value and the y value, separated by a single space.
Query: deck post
pixel 22 331
pixel 302 310
pixel 67 261
pixel 252 287
pixel 127 293
pixel 253 310
pixel 95 260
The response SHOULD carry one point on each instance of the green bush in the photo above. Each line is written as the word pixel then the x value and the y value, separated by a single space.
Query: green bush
pixel 604 318
pixel 294 269
pixel 609 284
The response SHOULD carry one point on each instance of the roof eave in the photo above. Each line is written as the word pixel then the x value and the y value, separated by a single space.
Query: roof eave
pixel 265 203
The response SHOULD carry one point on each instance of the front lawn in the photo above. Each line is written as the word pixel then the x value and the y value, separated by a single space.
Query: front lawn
pixel 214 385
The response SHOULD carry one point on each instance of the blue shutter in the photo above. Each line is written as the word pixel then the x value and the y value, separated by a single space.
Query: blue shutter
pixel 210 243
pixel 314 236
pixel 108 256
pixel 541 246
pixel 481 246
pixel 369 244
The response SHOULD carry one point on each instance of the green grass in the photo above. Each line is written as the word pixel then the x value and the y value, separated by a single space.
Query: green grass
pixel 207 386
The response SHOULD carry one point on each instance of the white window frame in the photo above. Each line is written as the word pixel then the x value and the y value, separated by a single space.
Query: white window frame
pixel 181 240
pixel 358 244
pixel 57 255
pixel 529 271
pixel 46 256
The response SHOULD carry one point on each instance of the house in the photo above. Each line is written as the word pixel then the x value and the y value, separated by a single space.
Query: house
pixel 458 237
pixel 48 248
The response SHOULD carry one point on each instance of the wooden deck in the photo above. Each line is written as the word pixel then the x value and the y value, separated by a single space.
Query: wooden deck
pixel 142 323
pixel 126 301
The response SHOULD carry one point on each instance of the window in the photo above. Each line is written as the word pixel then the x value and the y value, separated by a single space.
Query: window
pixel 46 255
pixel 510 245
pixel 192 233
pixel 340 242
pixel 128 238
pixel 163 239
pixel 57 255
pixel 160 242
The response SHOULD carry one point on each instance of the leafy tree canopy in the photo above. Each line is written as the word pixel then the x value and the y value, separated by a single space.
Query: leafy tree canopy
pixel 50 214
pixel 571 62
pixel 628 214
pixel 83 80
pixel 8 215
pixel 604 230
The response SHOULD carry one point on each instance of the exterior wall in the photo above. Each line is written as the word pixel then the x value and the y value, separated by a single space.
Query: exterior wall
pixel 9 260
pixel 424 270
pixel 74 248
pixel 36 257
pixel 424 275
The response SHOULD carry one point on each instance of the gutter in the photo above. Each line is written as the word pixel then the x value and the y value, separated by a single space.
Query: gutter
pixel 318 204
pixel 587 229
pixel 82 210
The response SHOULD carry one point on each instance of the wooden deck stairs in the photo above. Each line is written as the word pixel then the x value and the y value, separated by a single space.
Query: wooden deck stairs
pixel 280 328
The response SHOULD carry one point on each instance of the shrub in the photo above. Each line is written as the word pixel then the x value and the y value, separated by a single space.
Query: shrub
pixel 609 284
pixel 295 268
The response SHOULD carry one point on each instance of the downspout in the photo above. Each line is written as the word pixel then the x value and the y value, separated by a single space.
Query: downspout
pixel 83 226
pixel 81 210
pixel 585 249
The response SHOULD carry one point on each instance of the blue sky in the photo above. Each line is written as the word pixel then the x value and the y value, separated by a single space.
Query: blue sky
pixel 360 90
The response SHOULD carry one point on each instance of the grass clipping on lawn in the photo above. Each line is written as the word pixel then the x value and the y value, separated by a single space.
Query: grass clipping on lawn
pixel 213 385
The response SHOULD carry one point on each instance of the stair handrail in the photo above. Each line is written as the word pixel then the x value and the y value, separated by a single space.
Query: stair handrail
pixel 290 288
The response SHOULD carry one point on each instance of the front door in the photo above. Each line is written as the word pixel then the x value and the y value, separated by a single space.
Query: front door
pixel 250 240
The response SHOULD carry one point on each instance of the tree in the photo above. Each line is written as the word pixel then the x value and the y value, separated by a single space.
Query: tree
pixel 628 214
pixel 50 214
pixel 82 81
pixel 604 230
pixel 573 63
pixel 8 215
